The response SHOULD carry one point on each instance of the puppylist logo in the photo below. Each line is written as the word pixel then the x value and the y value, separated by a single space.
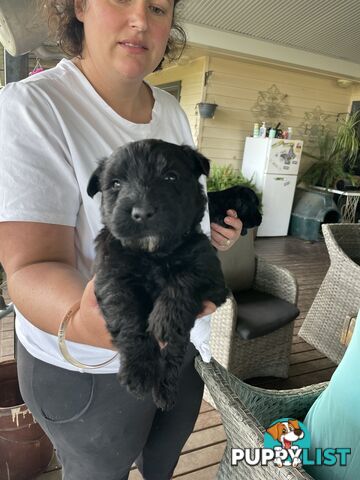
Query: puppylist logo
pixel 287 443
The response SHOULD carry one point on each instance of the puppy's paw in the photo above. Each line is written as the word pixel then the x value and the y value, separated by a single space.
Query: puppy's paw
pixel 220 296
pixel 139 379
pixel 164 397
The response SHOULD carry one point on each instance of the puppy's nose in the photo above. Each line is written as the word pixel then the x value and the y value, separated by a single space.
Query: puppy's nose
pixel 142 214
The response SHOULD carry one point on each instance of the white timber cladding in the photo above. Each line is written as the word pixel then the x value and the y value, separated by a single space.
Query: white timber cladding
pixel 355 93
pixel 191 76
pixel 235 85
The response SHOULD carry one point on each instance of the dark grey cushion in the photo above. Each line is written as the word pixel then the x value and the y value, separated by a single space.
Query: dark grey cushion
pixel 260 313
pixel 238 263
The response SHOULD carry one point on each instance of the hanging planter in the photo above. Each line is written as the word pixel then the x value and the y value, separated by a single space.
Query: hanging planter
pixel 207 110
pixel 25 450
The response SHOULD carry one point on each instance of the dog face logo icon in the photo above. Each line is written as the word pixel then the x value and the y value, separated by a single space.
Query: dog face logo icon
pixel 287 444
pixel 288 437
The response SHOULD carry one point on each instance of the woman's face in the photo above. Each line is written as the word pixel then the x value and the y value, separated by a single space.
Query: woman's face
pixel 128 37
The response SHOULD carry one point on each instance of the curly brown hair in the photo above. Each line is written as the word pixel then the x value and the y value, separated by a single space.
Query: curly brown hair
pixel 68 31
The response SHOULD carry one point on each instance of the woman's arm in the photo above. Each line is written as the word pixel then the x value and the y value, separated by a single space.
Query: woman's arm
pixel 43 283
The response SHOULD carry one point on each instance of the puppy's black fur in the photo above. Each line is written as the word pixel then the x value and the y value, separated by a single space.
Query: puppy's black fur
pixel 154 267
pixel 239 198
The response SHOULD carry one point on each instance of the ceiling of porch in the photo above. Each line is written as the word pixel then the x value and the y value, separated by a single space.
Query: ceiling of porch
pixel 323 34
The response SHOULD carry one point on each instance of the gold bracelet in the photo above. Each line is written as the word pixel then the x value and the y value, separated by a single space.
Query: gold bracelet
pixel 62 345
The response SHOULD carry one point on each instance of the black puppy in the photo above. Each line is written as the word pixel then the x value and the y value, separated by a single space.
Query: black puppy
pixel 239 198
pixel 154 267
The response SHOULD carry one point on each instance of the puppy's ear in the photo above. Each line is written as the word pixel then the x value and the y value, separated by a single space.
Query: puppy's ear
pixel 94 182
pixel 295 424
pixel 201 163
pixel 274 431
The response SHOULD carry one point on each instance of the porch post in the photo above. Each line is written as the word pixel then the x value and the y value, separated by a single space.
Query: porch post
pixel 15 68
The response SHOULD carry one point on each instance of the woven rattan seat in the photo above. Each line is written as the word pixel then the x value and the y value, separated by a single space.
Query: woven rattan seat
pixel 338 299
pixel 246 412
pixel 265 355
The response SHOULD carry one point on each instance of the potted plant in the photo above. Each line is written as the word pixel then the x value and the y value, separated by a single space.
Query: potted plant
pixel 25 450
pixel 207 110
pixel 225 176
pixel 336 155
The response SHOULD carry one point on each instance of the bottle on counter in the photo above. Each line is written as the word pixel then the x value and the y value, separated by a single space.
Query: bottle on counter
pixel 256 131
pixel 272 133
pixel 263 130
pixel 289 133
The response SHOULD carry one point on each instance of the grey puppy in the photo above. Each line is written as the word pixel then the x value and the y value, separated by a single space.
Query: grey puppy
pixel 154 267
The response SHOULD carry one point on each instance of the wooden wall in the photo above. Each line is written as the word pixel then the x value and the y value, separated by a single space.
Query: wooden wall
pixel 191 76
pixel 236 86
pixel 355 93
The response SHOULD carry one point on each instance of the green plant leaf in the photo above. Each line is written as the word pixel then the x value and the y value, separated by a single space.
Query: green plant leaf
pixel 334 153
pixel 225 176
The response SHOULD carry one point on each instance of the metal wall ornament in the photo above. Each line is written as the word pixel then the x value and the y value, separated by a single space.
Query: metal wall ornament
pixel 271 105
pixel 316 124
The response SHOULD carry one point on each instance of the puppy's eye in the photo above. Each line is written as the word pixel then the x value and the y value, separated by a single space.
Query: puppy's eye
pixel 171 176
pixel 115 184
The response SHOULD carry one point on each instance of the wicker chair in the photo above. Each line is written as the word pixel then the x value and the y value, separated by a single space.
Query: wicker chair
pixel 8 308
pixel 246 412
pixel 338 299
pixel 266 355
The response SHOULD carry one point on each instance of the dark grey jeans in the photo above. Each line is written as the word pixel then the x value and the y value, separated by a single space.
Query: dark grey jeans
pixel 99 429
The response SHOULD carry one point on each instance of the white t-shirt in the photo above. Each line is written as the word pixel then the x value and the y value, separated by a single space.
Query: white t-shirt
pixel 54 127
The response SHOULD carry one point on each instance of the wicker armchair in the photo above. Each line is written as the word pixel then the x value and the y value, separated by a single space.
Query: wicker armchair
pixel 338 299
pixel 266 355
pixel 246 412
pixel 8 308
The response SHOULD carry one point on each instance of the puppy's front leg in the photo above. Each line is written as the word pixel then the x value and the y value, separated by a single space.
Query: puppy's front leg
pixel 166 388
pixel 139 356
pixel 126 321
pixel 170 321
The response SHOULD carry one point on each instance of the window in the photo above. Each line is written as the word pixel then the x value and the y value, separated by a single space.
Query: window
pixel 174 88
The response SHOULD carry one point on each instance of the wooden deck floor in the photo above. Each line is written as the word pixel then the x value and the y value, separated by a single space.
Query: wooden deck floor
pixel 203 451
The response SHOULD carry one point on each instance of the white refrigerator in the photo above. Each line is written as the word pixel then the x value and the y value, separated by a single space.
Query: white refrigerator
pixel 273 165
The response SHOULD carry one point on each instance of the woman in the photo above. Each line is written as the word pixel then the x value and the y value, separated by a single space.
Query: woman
pixel 54 128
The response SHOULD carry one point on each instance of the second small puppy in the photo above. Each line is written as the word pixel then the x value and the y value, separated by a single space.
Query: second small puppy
pixel 154 267
pixel 242 199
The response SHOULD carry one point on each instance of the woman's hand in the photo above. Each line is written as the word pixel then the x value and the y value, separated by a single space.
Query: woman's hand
pixel 91 319
pixel 223 238
pixel 209 308
pixel 89 322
